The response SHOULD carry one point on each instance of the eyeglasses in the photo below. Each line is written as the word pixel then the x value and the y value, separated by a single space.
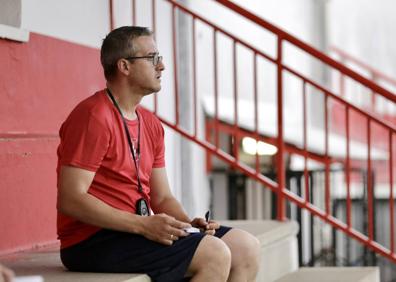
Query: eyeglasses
pixel 156 58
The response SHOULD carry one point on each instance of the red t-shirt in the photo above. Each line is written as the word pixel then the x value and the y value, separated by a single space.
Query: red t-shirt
pixel 93 138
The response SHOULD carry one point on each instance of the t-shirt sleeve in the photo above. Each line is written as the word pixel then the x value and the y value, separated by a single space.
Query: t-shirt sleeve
pixel 84 141
pixel 159 157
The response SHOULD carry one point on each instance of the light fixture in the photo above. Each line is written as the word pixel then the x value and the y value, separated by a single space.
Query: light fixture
pixel 251 146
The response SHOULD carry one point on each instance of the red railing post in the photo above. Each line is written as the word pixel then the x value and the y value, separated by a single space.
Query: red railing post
pixel 175 62
pixel 111 15
pixel 235 74
pixel 370 192
pixel 391 197
pixel 305 139
pixel 348 171
pixel 256 112
pixel 327 164
pixel 280 161
pixel 194 76
pixel 133 12
pixel 154 28
pixel 216 89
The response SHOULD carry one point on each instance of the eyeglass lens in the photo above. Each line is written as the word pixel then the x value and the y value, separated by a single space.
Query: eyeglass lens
pixel 157 59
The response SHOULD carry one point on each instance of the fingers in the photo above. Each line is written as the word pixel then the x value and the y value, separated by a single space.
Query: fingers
pixel 210 232
pixel 169 239
pixel 166 229
pixel 179 224
pixel 212 225
pixel 199 222
pixel 176 232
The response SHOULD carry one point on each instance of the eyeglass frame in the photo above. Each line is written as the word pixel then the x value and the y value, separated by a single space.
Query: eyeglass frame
pixel 152 57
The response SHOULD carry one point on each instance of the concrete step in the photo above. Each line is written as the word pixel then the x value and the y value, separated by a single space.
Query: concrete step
pixel 333 274
pixel 277 238
pixel 279 260
pixel 279 246
pixel 46 263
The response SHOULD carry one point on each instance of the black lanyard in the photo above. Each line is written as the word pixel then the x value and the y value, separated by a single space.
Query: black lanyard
pixel 136 158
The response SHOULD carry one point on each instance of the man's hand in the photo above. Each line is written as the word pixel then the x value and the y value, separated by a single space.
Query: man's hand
pixel 163 229
pixel 209 227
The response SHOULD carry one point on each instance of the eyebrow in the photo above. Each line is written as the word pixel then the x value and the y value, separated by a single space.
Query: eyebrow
pixel 153 53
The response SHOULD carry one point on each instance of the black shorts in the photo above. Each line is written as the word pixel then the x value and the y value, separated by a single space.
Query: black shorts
pixel 120 252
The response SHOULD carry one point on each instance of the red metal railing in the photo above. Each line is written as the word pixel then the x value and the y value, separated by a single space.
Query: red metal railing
pixel 374 74
pixel 216 125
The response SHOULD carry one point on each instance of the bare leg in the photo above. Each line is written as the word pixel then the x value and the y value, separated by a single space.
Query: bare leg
pixel 245 255
pixel 211 261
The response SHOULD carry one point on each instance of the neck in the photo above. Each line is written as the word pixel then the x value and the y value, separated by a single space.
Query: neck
pixel 126 100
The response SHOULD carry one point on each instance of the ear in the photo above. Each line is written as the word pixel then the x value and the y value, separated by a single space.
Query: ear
pixel 123 66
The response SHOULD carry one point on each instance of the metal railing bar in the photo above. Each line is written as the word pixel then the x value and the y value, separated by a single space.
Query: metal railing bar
pixel 306 179
pixel 285 67
pixel 219 29
pixel 194 75
pixel 111 14
pixel 280 161
pixel 369 184
pixel 290 148
pixel 327 164
pixel 279 188
pixel 348 169
pixel 256 119
pixel 292 197
pixel 224 156
pixel 376 73
pixel 175 63
pixel 134 20
pixel 340 225
pixel 236 128
pixel 373 117
pixel 391 196
pixel 154 29
pixel 216 93
pixel 308 49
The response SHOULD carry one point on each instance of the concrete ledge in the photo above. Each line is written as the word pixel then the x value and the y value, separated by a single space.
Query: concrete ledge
pixel 277 239
pixel 47 264
pixel 13 33
pixel 333 274
pixel 268 231
pixel 279 250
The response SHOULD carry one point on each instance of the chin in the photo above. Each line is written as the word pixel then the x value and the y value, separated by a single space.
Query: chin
pixel 157 89
pixel 153 90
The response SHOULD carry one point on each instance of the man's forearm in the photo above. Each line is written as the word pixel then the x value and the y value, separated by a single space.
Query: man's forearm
pixel 91 210
pixel 171 207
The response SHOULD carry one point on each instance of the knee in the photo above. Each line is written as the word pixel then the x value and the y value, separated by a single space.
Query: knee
pixel 246 250
pixel 212 257
pixel 217 254
pixel 251 249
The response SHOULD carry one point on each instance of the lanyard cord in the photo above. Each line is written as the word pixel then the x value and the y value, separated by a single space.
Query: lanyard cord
pixel 136 158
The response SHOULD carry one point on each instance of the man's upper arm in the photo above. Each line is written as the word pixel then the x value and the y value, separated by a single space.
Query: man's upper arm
pixel 73 182
pixel 159 185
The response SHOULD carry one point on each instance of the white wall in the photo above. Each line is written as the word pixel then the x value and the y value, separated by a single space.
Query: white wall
pixel 84 22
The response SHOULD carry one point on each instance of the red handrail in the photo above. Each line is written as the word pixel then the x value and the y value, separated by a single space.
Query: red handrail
pixel 375 74
pixel 307 48
pixel 216 124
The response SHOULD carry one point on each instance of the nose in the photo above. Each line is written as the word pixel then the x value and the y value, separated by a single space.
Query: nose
pixel 160 66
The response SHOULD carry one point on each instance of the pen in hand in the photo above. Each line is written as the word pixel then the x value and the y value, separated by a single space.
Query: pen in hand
pixel 207 215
